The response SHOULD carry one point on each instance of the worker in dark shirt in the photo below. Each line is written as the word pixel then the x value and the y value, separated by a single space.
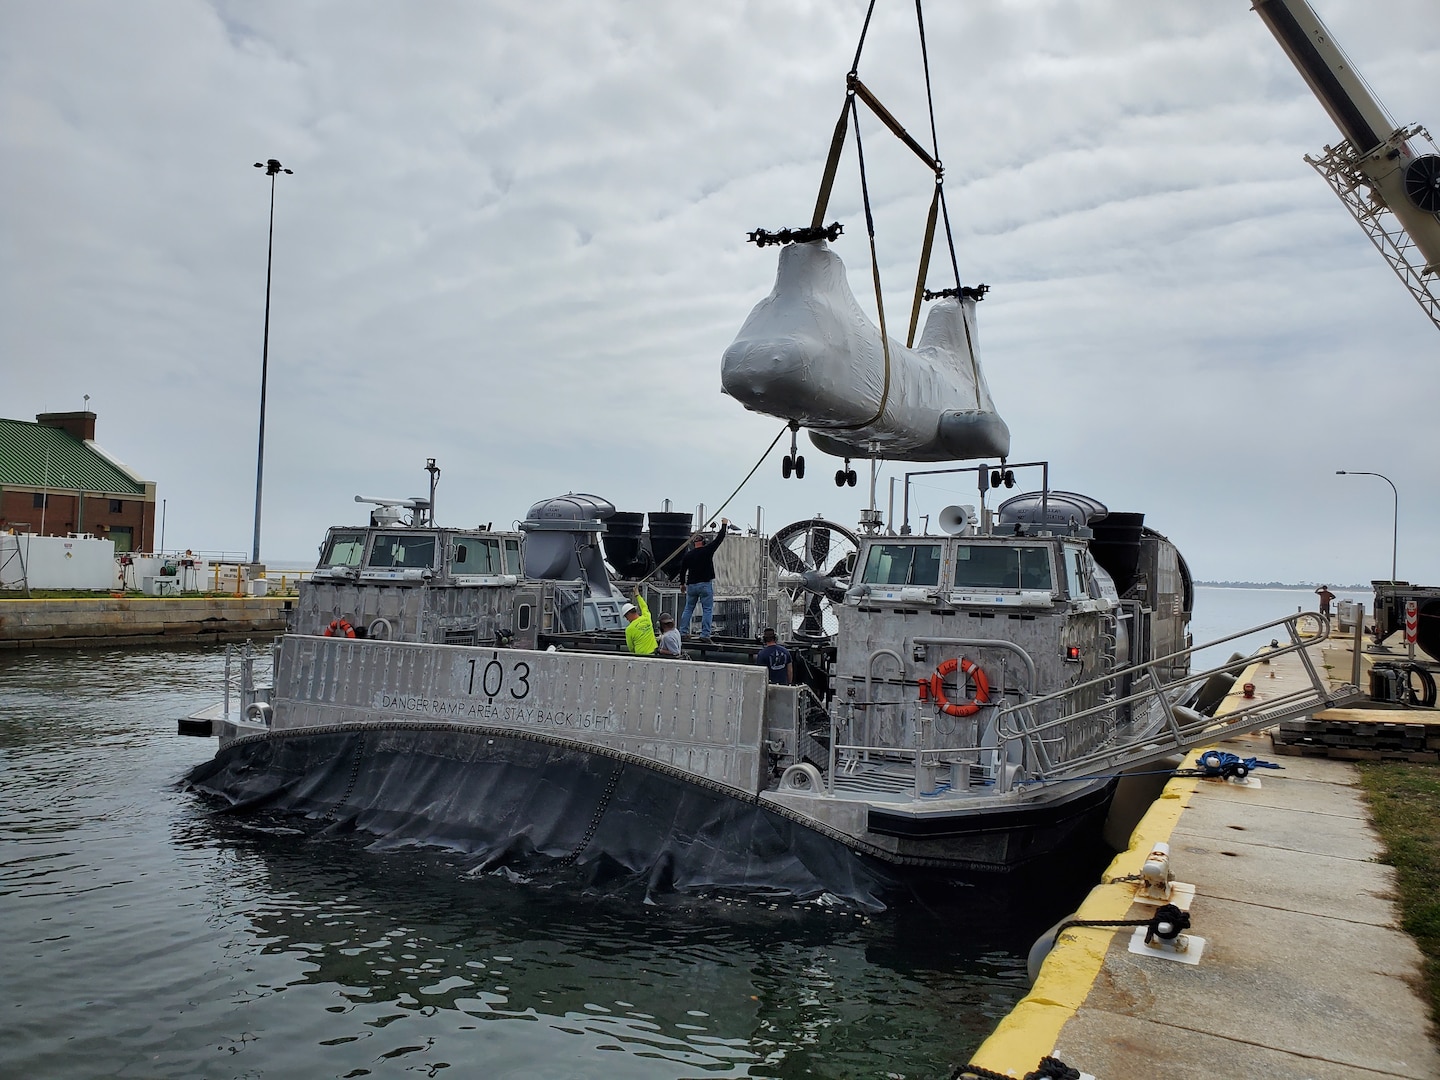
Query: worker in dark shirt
pixel 697 570
pixel 776 660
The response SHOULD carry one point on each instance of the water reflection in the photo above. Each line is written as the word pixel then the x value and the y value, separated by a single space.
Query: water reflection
pixel 407 941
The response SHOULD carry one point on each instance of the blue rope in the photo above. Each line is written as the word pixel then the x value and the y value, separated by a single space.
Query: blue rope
pixel 1219 763
pixel 1212 763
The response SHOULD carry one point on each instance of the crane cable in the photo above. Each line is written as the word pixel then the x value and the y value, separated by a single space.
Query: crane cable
pixel 849 114
pixel 773 443
pixel 930 227
pixel 923 272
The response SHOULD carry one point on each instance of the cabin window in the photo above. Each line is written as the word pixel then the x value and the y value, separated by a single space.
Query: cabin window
pixel 512 556
pixel 1035 570
pixel 991 566
pixel 402 551
pixel 1075 576
pixel 476 555
pixel 902 564
pixel 522 617
pixel 343 549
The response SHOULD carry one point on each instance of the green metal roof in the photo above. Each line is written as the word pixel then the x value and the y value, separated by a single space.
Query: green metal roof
pixel 33 455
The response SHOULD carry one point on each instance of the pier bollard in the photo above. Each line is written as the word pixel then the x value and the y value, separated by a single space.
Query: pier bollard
pixel 1359 644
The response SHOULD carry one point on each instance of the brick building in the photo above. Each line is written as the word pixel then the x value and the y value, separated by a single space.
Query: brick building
pixel 55 481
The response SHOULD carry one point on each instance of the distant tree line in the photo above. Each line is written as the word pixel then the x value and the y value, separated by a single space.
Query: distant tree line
pixel 1282 585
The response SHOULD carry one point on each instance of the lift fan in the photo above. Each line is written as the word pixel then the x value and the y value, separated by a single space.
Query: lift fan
pixel 825 553
pixel 1422 182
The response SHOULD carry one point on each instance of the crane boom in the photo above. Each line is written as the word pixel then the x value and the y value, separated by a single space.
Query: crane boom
pixel 1398 205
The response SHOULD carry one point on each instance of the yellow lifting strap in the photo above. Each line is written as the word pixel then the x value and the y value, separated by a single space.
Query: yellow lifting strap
pixel 857 89
pixel 827 181
pixel 924 268
pixel 883 114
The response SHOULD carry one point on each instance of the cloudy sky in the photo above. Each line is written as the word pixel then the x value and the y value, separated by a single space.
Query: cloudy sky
pixel 514 241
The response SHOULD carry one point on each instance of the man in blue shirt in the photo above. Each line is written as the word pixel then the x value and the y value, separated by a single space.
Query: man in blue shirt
pixel 776 660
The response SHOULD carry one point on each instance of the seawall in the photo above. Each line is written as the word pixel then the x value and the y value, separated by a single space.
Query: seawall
pixel 73 623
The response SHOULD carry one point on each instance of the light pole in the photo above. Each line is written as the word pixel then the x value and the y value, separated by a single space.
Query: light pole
pixel 271 167
pixel 1395 530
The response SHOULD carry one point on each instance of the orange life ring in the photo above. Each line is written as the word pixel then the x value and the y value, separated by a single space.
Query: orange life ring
pixel 339 628
pixel 937 687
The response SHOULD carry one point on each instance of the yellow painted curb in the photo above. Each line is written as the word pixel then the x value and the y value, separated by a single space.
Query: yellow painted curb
pixel 1031 1030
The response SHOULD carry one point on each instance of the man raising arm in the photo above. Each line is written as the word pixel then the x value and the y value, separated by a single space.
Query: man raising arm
pixel 698 568
pixel 639 632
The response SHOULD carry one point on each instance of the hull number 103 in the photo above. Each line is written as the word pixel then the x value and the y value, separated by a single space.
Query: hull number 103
pixel 492 680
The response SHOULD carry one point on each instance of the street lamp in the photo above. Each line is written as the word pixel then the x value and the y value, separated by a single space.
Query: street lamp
pixel 271 167
pixel 1395 531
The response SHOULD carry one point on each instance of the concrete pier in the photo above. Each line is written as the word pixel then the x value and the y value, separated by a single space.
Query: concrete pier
pixel 1303 972
pixel 67 624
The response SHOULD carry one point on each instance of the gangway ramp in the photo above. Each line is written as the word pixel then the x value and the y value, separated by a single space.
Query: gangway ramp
pixel 1186 729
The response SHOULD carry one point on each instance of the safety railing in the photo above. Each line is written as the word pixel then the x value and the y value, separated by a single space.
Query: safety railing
pixel 241 681
pixel 1013 732
pixel 1183 728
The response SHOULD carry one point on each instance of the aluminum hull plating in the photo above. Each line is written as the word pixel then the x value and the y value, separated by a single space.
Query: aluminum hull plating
pixel 663 770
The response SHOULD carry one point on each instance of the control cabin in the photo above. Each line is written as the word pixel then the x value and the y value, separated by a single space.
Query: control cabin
pixel 438 585
pixel 1036 609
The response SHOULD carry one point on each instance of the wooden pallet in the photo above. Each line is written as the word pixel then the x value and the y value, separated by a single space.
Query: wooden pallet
pixel 1362 735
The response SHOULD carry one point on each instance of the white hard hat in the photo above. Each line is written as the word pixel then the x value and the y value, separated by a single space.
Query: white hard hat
pixel 627 609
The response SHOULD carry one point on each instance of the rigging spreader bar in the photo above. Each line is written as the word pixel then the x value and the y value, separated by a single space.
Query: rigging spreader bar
pixel 968 292
pixel 807 235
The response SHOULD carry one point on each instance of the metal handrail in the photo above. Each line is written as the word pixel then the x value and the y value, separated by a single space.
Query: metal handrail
pixel 1016 722
pixel 915 754
pixel 242 683
pixel 1147 669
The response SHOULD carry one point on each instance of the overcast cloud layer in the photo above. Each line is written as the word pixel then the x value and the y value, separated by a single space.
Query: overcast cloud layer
pixel 514 241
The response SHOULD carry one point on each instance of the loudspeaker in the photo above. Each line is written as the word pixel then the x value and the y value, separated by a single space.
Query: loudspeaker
pixel 957 520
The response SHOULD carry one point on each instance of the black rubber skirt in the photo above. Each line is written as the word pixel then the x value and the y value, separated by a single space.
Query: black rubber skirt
pixel 538 807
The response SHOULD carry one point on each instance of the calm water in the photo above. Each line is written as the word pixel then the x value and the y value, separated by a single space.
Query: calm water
pixel 1221 611
pixel 146 936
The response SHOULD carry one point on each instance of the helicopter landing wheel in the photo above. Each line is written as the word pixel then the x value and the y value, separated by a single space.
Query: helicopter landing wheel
pixel 793 462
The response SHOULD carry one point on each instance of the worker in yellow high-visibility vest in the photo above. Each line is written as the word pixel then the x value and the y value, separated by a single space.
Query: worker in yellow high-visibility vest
pixel 640 632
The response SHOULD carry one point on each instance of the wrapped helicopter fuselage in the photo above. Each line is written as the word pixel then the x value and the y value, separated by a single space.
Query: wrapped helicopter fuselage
pixel 808 353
